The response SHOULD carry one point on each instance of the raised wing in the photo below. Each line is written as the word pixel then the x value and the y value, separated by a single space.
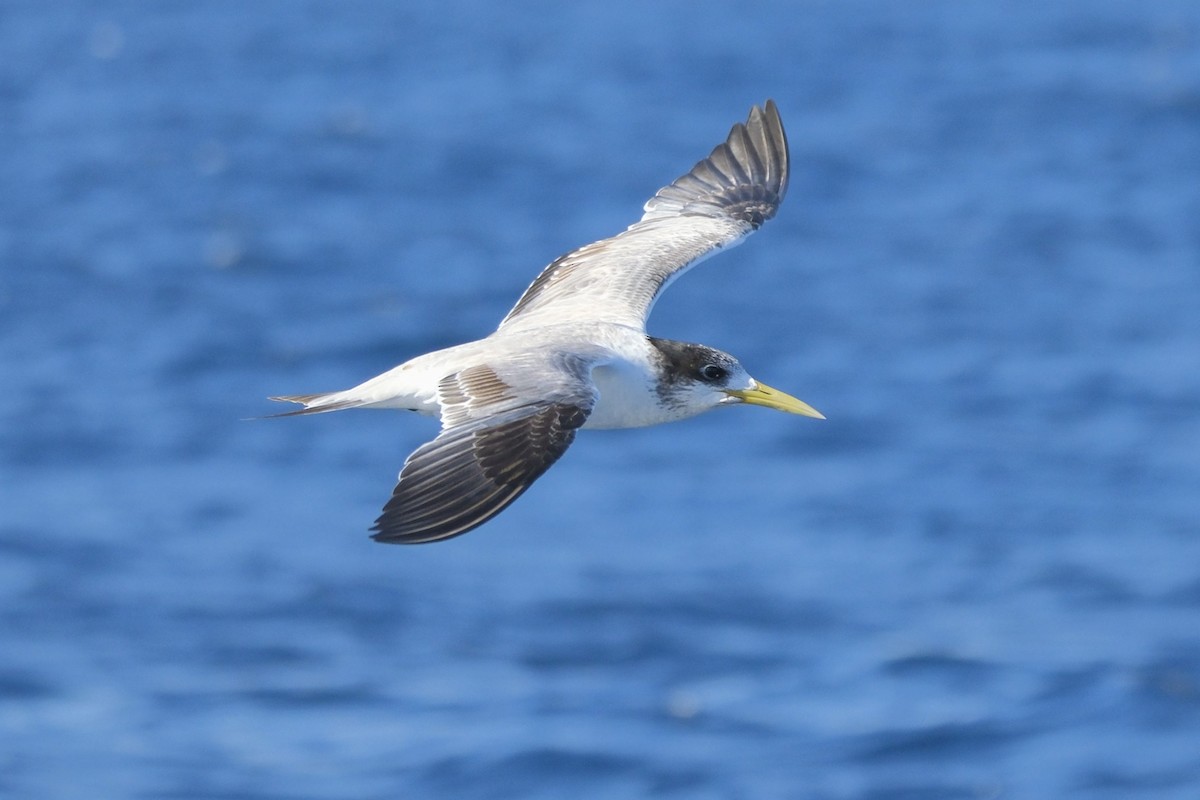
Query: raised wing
pixel 723 199
pixel 492 447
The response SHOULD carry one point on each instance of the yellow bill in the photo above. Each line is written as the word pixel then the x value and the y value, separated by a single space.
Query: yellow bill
pixel 763 395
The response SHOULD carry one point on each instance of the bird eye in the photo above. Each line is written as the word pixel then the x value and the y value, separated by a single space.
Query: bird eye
pixel 711 372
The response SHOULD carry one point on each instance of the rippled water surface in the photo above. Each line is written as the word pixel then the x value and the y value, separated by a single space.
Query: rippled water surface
pixel 980 578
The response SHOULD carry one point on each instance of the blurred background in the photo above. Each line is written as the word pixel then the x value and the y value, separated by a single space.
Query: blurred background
pixel 980 578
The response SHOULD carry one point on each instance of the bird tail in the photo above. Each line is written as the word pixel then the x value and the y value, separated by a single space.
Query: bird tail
pixel 318 403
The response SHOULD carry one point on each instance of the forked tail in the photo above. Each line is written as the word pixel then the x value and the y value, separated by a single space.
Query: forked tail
pixel 316 403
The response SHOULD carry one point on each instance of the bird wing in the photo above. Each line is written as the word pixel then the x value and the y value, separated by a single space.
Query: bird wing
pixel 498 437
pixel 722 200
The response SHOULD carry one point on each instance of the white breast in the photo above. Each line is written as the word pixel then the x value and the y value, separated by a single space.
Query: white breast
pixel 627 397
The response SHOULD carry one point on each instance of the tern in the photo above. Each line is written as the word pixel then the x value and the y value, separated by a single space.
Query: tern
pixel 574 353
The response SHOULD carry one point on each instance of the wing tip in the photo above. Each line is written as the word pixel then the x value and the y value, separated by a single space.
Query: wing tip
pixel 395 526
pixel 471 473
pixel 745 177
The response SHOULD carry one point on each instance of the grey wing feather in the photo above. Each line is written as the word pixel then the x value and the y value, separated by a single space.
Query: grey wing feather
pixel 472 472
pixel 723 199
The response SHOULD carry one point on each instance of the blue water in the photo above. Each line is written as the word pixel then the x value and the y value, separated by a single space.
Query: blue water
pixel 980 578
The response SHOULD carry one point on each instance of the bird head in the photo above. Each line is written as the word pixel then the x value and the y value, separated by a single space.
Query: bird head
pixel 697 378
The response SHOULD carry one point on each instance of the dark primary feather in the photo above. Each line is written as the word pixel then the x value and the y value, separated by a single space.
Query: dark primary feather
pixel 744 178
pixel 472 472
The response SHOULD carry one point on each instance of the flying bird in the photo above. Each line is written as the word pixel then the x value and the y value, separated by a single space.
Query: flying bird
pixel 574 353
